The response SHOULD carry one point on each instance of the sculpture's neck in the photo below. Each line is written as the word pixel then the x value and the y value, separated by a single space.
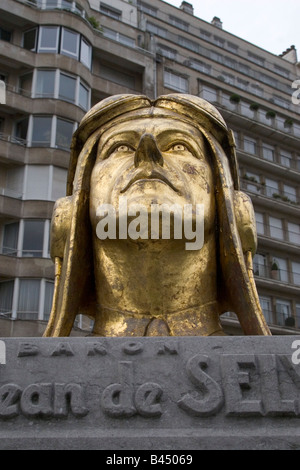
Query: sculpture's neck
pixel 163 281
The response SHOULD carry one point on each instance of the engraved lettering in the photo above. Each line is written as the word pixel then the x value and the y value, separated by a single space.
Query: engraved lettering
pixel 96 348
pixel 147 400
pixel 132 348
pixel 63 349
pixel 117 399
pixel 36 400
pixel 212 396
pixel 240 377
pixel 28 349
pixel 273 402
pixel 170 348
pixel 9 397
pixel 68 397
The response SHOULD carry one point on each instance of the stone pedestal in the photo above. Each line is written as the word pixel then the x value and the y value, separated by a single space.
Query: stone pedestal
pixel 150 393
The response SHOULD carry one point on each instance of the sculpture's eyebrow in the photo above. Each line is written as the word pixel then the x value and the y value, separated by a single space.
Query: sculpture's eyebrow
pixel 193 141
pixel 130 137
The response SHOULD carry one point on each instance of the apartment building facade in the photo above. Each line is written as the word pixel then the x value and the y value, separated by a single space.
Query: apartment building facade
pixel 60 57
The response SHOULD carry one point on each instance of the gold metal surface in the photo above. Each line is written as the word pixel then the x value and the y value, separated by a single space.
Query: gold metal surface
pixel 174 150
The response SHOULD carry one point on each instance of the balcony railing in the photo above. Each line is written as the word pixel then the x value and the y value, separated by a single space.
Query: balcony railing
pixel 268 191
pixel 282 275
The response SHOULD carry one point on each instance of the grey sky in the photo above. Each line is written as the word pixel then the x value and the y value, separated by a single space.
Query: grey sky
pixel 273 25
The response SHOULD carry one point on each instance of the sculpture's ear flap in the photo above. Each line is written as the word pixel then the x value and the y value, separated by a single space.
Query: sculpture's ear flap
pixel 60 226
pixel 245 220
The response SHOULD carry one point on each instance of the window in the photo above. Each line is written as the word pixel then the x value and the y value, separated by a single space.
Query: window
pixel 242 84
pixel 67 88
pixel 257 90
pixel 110 11
pixel 250 145
pixel 70 43
pixel 219 41
pixel 268 152
pixel 157 30
pixel 48 39
pixel 256 59
pixel 283 271
pixel 283 312
pixel 146 8
pixel 57 39
pixel 252 182
pixel 296 273
pixel 84 97
pixel 10 239
pixel 290 193
pixel 59 183
pixel 6 297
pixel 298 314
pixel 191 45
pixel 178 22
pixel 30 39
pixel 228 78
pixel 37 182
pixel 20 132
pixel 33 238
pixel 294 233
pixel 45 80
pixel 28 302
pixel 200 66
pixel 117 76
pixel 271 187
pixel 25 84
pixel 176 82
pixel 209 94
pixel 266 306
pixel 27 238
pixel 285 158
pixel 260 265
pixel 232 47
pixel 260 226
pixel 116 36
pixel 41 131
pixel 276 230
pixel 5 35
pixel 64 131
pixel 85 53
pixel 49 289
pixel 56 84
pixel 167 51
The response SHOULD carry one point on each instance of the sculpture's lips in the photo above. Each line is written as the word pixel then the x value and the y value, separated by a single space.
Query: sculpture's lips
pixel 153 175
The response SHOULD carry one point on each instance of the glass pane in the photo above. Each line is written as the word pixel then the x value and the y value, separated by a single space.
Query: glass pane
pixel 21 130
pixel 48 39
pixel 283 312
pixel 294 233
pixel 296 273
pixel 51 4
pixel 265 303
pixel 10 239
pixel 6 297
pixel 25 83
pixel 29 40
pixel 83 97
pixel 67 88
pixel 70 43
pixel 271 187
pixel 33 238
pixel 49 288
pixel 85 53
pixel 259 223
pixel 276 230
pixel 41 131
pixel 28 305
pixel 64 132
pixel 59 183
pixel 66 4
pixel 37 182
pixel 268 152
pixel 45 83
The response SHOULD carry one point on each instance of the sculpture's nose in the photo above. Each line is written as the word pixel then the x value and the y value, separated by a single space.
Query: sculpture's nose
pixel 147 151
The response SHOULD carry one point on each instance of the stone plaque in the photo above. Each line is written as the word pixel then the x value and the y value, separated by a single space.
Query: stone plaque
pixel 150 393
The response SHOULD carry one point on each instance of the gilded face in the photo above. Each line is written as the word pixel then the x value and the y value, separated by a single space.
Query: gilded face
pixel 153 160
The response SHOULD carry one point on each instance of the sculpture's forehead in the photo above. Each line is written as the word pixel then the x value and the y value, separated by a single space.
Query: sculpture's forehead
pixel 156 125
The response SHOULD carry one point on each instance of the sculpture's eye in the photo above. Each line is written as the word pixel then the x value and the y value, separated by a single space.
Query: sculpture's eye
pixel 124 148
pixel 179 148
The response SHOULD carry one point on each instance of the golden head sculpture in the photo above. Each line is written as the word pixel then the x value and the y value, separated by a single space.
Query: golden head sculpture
pixel 175 151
